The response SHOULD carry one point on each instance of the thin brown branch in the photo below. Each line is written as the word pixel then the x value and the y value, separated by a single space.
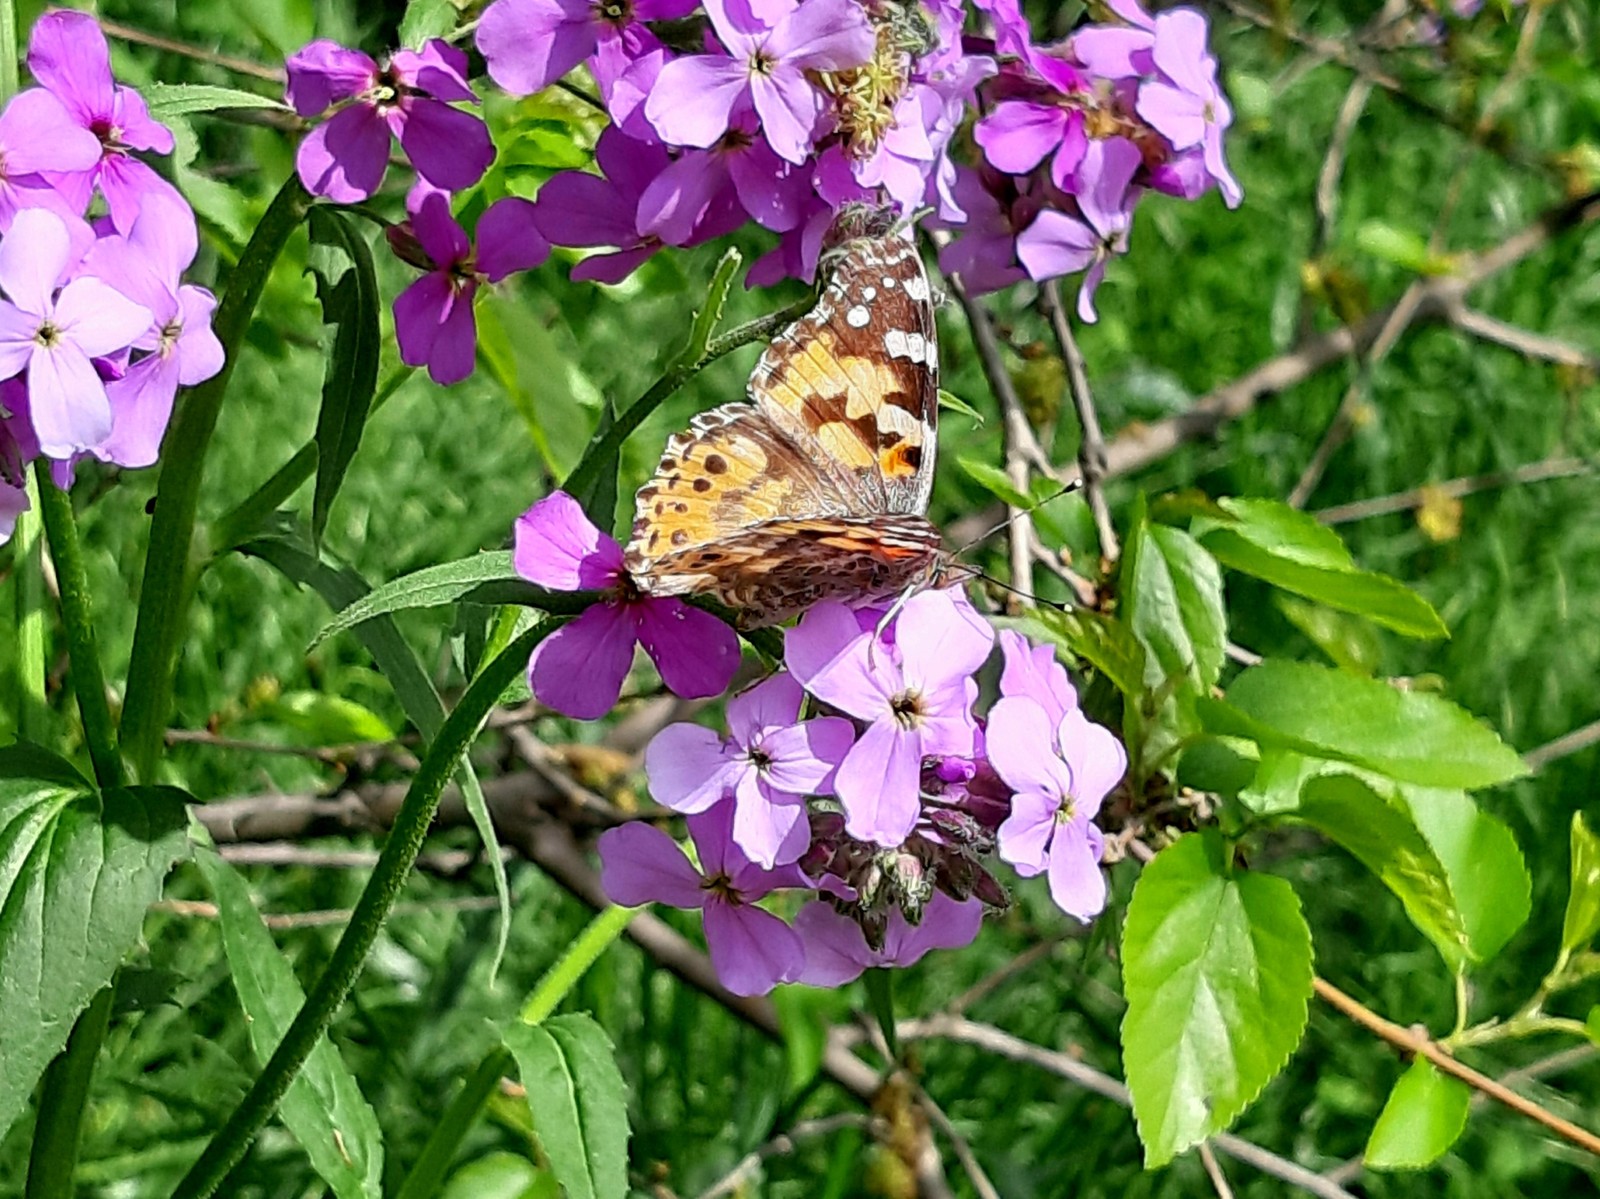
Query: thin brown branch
pixel 331 755
pixel 736 1179
pixel 1014 966
pixel 1327 194
pixel 238 66
pixel 329 917
pixel 963 1150
pixel 1522 341
pixel 1563 747
pixel 1092 447
pixel 1416 1042
pixel 1003 1044
pixel 1219 1180
pixel 1415 497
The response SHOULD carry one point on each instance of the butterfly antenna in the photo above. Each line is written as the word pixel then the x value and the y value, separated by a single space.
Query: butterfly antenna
pixel 1033 599
pixel 1066 489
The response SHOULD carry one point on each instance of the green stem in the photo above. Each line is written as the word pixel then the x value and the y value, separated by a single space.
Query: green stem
pixel 428 1174
pixel 164 597
pixel 77 615
pixel 33 710
pixel 595 939
pixel 399 853
pixel 610 443
pixel 8 50
pixel 245 519
pixel 62 1099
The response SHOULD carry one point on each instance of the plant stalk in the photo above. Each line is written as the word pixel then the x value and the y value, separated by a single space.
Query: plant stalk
pixel 62 1099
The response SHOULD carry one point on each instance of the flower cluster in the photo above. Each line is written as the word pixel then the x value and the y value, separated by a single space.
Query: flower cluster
pixel 97 329
pixel 861 776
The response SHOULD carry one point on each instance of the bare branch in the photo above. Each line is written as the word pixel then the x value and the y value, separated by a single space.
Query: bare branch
pixel 1404 501
pixel 1563 747
pixel 1092 448
pixel 1524 342
pixel 238 66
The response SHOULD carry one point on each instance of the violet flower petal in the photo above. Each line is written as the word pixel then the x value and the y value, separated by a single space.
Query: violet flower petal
pixel 344 158
pixel 695 653
pixel 558 547
pixel 1076 882
pixel 449 147
pixel 640 864
pixel 689 768
pixel 579 669
pixel 509 239
pixel 751 949
pixel 877 784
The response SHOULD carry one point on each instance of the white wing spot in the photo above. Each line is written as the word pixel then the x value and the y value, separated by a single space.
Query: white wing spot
pixel 857 317
pixel 917 288
pixel 911 346
pixel 869 294
pixel 888 282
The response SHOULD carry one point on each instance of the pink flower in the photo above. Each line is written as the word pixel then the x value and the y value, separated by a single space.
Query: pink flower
pixel 1020 134
pixel 67 53
pixel 409 96
pixel 916 697
pixel 433 319
pixel 1060 773
pixel 529 44
pixel 740 171
pixel 181 349
pixel 54 337
pixel 580 209
pixel 1032 672
pixel 579 669
pixel 766 66
pixel 836 947
pixel 767 767
pixel 1184 103
pixel 984 255
pixel 751 949
pixel 1058 244
pixel 38 134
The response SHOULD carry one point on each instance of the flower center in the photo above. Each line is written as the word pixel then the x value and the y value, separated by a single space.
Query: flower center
pixel 759 758
pixel 48 335
pixel 908 709
pixel 865 96
pixel 721 886
pixel 170 333
pixel 110 137
pixel 762 63
pixel 1065 812
pixel 615 12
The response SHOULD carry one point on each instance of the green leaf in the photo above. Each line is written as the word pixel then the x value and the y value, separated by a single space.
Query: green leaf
pixel 1405 735
pixel 951 402
pixel 1403 247
pixel 324 1107
pixel 1290 550
pixel 350 302
pixel 1488 877
pixel 168 100
pixel 1582 921
pixel 1172 597
pixel 578 1102
pixel 709 314
pixel 343 588
pixel 77 871
pixel 430 587
pixel 1387 842
pixel 327 719
pixel 1350 642
pixel 994 480
pixel 1424 1115
pixel 555 398
pixel 501 1175
pixel 1591 1025
pixel 426 19
pixel 1217 972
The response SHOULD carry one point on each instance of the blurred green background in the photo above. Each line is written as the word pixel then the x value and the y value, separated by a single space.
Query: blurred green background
pixel 1204 295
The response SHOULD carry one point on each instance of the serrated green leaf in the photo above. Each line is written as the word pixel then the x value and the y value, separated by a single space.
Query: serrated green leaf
pixel 1406 735
pixel 1582 920
pixel 994 480
pixel 1424 1115
pixel 578 1101
pixel 350 303
pixel 77 871
pixel 1488 877
pixel 1290 550
pixel 709 315
pixel 221 206
pixel 168 100
pixel 951 402
pixel 427 19
pixel 1222 765
pixel 324 1107
pixel 1217 973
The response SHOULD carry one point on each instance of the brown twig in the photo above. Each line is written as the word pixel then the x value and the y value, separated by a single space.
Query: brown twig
pixel 238 66
pixel 1522 341
pixel 1415 497
pixel 1219 1180
pixel 963 1150
pixel 1563 746
pixel 326 917
pixel 1417 1042
pixel 784 1143
pixel 1014 966
pixel 1092 446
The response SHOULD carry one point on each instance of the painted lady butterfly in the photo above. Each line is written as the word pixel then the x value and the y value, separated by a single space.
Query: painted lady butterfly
pixel 817 488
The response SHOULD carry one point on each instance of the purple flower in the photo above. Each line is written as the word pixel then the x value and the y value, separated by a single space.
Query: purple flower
pixel 579 669
pixel 1117 51
pixel 766 67
pixel 751 949
pixel 1060 774
pixel 796 254
pixel 580 209
pixel 67 53
pixel 768 765
pixel 916 697
pixel 1032 672
pixel 836 947
pixel 18 447
pixel 904 156
pixel 145 266
pixel 1057 243
pixel 409 96
pixel 1020 134
pixel 529 44
pixel 55 337
pixel 37 134
pixel 1184 104
pixel 984 255
pixel 433 317
pixel 741 170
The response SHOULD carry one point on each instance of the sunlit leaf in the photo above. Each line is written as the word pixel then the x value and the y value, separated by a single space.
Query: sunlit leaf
pixel 1424 1115
pixel 578 1102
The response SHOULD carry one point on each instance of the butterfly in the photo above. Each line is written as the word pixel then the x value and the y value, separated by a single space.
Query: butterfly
pixel 817 486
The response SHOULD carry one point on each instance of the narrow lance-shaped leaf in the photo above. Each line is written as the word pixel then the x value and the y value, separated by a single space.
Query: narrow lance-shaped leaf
pixel 324 1107
pixel 168 100
pixel 350 303
pixel 578 1102
pixel 77 871
pixel 1424 1115
pixel 1217 972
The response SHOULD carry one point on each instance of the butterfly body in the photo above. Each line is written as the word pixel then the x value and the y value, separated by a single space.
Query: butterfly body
pixel 817 487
